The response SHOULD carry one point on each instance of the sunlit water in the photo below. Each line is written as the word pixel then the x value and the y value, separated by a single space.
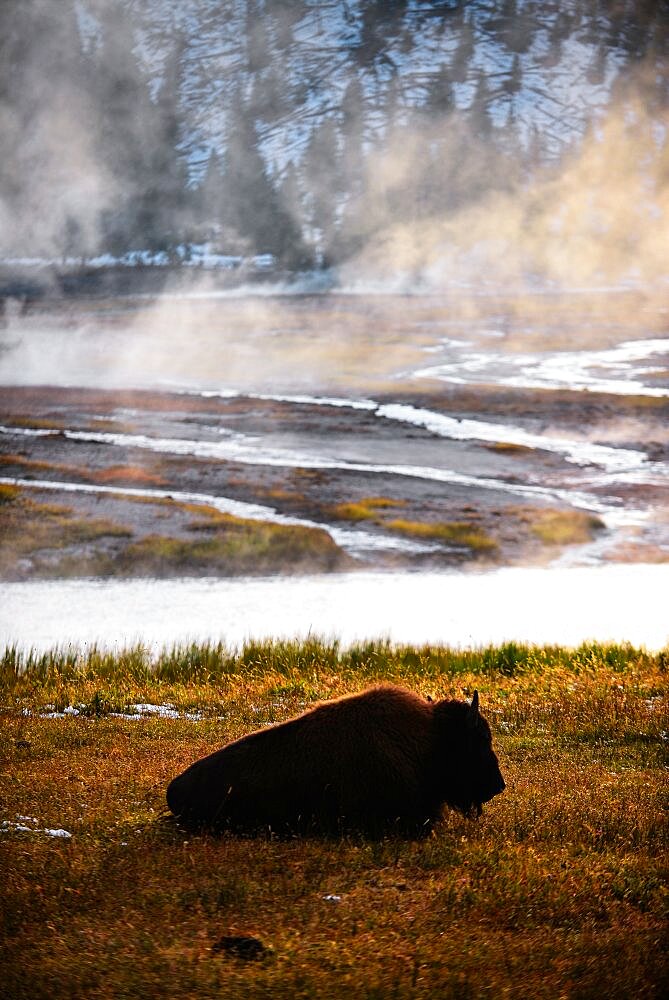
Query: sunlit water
pixel 570 606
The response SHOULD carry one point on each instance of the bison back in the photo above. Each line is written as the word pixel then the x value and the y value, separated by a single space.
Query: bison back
pixel 358 762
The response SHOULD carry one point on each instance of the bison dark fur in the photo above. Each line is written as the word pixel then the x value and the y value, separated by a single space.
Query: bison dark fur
pixel 381 760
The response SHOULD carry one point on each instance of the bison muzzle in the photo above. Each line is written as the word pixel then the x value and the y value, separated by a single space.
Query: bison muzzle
pixel 384 760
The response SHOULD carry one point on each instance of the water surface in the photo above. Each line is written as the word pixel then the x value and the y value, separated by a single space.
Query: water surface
pixel 569 606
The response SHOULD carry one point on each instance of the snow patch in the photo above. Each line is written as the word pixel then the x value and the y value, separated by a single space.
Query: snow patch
pixel 21 826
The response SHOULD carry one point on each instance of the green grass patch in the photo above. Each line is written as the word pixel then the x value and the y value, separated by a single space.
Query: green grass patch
pixel 58 544
pixel 560 889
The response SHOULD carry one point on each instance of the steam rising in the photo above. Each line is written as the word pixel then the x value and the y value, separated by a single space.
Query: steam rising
pixel 106 110
pixel 601 216
pixel 53 185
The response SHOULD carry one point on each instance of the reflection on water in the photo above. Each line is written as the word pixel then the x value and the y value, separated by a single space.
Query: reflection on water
pixel 568 606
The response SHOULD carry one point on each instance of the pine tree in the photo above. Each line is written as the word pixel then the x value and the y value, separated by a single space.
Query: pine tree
pixel 164 199
pixel 209 197
pixel 321 170
pixel 125 131
pixel 251 205
pixel 463 53
pixel 440 98
pixel 353 134
pixel 479 112
pixel 513 83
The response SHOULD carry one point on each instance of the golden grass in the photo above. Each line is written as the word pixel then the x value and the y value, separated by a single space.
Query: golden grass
pixel 560 890
pixel 35 423
pixel 8 494
pixel 507 448
pixel 367 508
pixel 572 527
pixel 455 532
pixel 32 464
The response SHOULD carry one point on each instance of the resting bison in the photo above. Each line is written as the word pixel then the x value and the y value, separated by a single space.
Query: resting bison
pixel 377 761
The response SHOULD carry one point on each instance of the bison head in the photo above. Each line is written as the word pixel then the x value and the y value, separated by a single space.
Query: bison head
pixel 468 766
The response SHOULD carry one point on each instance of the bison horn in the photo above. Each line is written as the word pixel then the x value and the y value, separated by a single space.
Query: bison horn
pixel 474 707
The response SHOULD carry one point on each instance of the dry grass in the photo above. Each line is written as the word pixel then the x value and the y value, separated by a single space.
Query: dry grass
pixel 49 541
pixel 130 475
pixel 453 532
pixel 571 527
pixel 127 474
pixel 365 509
pixel 43 532
pixel 560 890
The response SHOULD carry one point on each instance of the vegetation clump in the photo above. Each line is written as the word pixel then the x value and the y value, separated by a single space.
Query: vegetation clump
pixel 365 509
pixel 572 527
pixel 40 533
pixel 235 546
pixel 50 541
pixel 453 532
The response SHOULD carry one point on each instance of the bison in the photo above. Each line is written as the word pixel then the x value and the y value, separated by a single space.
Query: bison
pixel 379 761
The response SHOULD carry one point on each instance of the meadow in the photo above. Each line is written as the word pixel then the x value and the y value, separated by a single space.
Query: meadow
pixel 559 890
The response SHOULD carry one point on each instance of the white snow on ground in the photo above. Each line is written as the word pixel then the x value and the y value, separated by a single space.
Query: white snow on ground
pixel 202 255
pixel 8 826
pixel 135 712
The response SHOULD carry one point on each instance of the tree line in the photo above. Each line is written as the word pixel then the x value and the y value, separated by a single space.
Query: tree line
pixel 132 126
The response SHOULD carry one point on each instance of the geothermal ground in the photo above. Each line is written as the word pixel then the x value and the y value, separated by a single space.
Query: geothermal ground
pixel 227 437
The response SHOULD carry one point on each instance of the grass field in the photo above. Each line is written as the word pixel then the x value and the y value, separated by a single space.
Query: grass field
pixel 559 891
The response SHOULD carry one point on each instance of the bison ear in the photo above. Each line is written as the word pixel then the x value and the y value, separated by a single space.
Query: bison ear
pixel 474 709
